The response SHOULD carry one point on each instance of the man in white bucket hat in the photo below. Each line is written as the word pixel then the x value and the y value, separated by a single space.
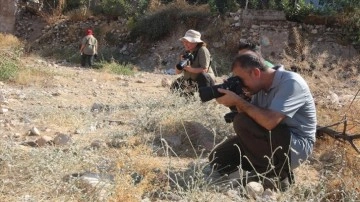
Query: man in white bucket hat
pixel 195 65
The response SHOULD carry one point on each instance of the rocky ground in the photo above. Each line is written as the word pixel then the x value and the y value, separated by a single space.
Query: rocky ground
pixel 70 134
pixel 75 134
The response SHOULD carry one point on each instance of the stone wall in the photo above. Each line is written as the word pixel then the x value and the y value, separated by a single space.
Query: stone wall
pixel 276 35
pixel 7 15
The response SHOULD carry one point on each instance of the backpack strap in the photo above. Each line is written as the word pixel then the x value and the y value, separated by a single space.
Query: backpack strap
pixel 195 55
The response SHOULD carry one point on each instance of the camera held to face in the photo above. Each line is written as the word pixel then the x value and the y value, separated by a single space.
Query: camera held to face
pixel 233 84
pixel 186 58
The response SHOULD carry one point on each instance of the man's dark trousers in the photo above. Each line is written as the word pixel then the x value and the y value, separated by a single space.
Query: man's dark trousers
pixel 87 60
pixel 249 147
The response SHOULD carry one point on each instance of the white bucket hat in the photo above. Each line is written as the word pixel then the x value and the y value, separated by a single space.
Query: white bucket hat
pixel 192 36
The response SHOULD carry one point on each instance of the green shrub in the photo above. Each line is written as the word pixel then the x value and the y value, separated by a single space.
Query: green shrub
pixel 9 66
pixel 298 11
pixel 11 49
pixel 116 68
pixel 162 23
pixel 224 6
pixel 123 8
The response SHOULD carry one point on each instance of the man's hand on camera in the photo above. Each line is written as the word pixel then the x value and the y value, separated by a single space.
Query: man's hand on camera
pixel 187 68
pixel 229 99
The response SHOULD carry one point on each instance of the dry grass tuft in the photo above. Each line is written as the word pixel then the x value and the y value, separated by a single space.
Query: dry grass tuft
pixel 8 41
pixel 34 76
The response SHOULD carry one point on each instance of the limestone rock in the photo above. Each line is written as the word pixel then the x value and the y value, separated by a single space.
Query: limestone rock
pixel 333 98
pixel 165 82
pixel 88 182
pixel 269 196
pixel 218 44
pixel 254 189
pixel 96 144
pixel 255 26
pixel 62 139
pixel 173 140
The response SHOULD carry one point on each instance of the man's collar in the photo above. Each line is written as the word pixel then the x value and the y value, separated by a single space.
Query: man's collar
pixel 277 77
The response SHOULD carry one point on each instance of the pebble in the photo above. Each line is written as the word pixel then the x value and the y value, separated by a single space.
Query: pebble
pixel 34 131
pixel 140 81
pixel 3 110
pixel 165 82
pixel 314 31
pixel 2 98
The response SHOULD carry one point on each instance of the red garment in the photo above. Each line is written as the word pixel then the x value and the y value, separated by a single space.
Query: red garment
pixel 89 32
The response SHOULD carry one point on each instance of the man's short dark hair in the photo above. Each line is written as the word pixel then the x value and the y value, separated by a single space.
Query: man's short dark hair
pixel 246 45
pixel 249 61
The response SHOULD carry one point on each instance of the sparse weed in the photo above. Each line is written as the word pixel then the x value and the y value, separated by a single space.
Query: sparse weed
pixel 10 51
pixel 116 68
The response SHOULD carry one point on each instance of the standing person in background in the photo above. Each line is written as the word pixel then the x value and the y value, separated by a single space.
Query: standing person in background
pixel 197 72
pixel 89 49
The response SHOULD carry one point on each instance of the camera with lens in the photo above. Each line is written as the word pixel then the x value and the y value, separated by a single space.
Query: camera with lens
pixel 186 58
pixel 233 84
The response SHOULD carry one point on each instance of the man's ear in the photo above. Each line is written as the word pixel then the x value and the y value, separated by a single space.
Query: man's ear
pixel 256 72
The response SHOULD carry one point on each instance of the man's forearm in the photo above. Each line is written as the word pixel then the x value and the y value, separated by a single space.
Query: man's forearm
pixel 266 118
pixel 194 70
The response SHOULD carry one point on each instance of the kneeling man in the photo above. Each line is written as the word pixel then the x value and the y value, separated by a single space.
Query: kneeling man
pixel 275 132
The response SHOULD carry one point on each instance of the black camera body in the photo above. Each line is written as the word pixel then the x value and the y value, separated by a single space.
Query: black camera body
pixel 186 58
pixel 233 84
